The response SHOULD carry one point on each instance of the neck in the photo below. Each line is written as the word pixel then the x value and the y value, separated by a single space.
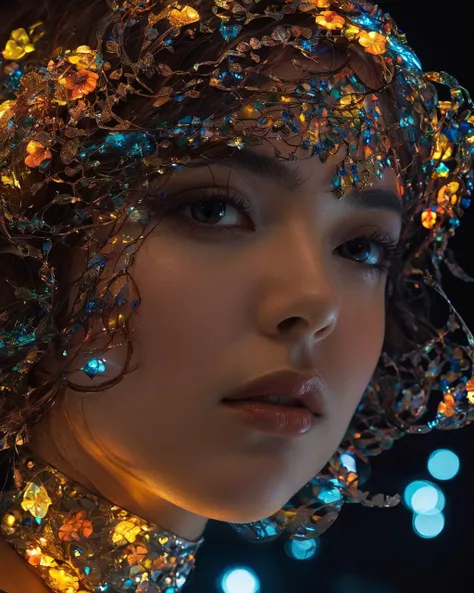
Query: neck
pixel 103 474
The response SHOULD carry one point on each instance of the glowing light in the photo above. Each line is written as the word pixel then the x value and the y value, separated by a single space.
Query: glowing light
pixel 428 526
pixel 302 549
pixel 348 462
pixel 185 16
pixel 423 497
pixel 443 464
pixel 428 500
pixel 428 219
pixel 240 580
pixel 93 367
pixel 411 489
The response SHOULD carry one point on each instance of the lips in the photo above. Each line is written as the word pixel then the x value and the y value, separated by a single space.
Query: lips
pixel 280 400
pixel 299 390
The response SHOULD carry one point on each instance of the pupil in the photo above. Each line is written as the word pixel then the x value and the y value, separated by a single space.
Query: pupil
pixel 207 208
pixel 357 246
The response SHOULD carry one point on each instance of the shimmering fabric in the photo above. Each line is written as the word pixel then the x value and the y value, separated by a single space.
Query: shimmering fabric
pixel 79 542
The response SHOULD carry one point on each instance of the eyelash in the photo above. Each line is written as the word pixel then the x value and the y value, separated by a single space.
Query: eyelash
pixel 392 250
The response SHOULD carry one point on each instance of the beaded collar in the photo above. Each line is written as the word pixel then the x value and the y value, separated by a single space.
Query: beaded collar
pixel 82 543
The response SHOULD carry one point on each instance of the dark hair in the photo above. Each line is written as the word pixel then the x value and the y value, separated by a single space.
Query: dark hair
pixel 72 23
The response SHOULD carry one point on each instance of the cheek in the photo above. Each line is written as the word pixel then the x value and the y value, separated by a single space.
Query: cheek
pixel 186 316
pixel 354 348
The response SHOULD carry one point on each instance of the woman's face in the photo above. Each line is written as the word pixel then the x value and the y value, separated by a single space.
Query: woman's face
pixel 288 289
pixel 285 291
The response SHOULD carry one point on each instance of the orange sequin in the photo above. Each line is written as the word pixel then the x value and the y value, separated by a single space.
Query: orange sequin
pixel 329 19
pixel 75 527
pixel 37 153
pixel 80 83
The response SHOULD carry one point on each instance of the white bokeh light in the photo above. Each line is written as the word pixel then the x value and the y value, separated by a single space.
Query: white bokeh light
pixel 428 500
pixel 240 580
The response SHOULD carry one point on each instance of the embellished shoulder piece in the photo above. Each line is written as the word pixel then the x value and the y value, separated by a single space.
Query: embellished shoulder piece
pixel 82 543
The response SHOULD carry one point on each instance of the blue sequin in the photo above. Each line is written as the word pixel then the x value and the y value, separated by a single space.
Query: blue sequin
pixel 306 45
pixel 405 52
pixel 442 169
pixel 229 32
pixel 367 22
pixel 93 367
pixel 98 260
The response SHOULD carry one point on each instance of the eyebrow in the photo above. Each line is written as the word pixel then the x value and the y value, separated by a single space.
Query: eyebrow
pixel 279 171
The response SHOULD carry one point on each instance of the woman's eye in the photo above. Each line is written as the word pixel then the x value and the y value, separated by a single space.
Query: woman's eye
pixel 363 250
pixel 375 252
pixel 212 211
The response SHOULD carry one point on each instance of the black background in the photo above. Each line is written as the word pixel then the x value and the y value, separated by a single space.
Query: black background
pixel 376 550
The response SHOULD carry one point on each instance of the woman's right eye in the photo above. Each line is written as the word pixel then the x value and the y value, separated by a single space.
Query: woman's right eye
pixel 207 208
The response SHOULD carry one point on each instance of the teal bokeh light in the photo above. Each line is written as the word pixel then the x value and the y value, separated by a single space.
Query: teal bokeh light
pixel 428 526
pixel 443 464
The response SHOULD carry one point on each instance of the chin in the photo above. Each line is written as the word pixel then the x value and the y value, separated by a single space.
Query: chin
pixel 243 514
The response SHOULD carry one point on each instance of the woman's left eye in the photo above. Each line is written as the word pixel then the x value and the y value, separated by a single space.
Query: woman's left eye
pixel 363 250
pixel 376 251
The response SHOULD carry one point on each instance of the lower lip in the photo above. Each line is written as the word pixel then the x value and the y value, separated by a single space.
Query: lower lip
pixel 272 418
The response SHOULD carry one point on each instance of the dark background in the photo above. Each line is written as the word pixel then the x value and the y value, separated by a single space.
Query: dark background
pixel 376 550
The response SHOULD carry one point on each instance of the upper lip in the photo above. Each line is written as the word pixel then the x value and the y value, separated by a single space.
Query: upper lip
pixel 307 390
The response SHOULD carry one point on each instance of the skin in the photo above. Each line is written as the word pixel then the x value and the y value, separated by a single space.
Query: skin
pixel 219 310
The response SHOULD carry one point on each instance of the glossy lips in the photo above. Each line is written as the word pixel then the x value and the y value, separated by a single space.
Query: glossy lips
pixel 307 391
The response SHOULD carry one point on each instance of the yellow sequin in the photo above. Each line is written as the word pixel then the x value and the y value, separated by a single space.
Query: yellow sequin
pixel 447 195
pixel 36 500
pixel 64 581
pixel 84 58
pixel 124 532
pixel 185 16
pixel 6 106
pixel 443 149
pixel 18 45
pixel 373 42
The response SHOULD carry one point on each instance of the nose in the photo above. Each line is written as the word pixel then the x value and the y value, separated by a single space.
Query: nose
pixel 301 300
